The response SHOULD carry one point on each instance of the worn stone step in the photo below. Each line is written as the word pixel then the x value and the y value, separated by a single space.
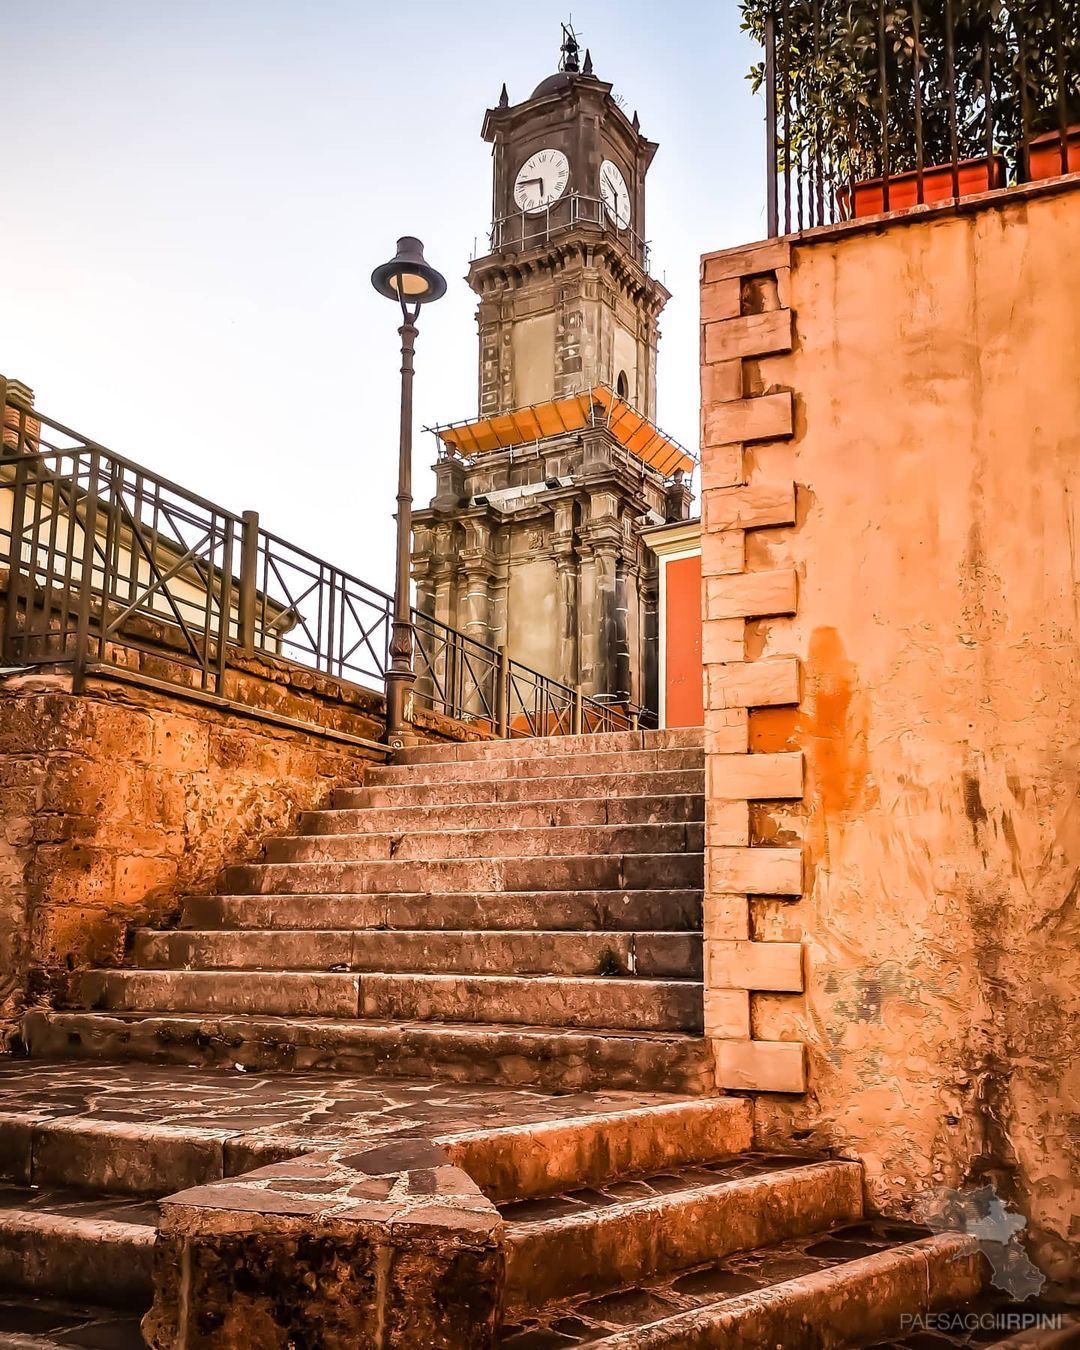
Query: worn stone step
pixel 142 1129
pixel 607 911
pixel 650 783
pixel 631 1230
pixel 285 993
pixel 547 747
pixel 32 1322
pixel 838 1306
pixel 848 1286
pixel 653 810
pixel 540 1000
pixel 485 770
pixel 506 951
pixel 145 1158
pixel 537 1000
pixel 513 1162
pixel 559 841
pixel 632 871
pixel 550 1059
pixel 75 1244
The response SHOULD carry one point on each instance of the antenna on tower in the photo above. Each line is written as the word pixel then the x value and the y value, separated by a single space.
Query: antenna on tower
pixel 571 48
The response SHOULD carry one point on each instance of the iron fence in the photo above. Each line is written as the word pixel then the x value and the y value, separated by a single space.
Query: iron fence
pixel 110 566
pixel 878 105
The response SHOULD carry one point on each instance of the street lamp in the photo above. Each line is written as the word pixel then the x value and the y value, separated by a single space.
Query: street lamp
pixel 411 281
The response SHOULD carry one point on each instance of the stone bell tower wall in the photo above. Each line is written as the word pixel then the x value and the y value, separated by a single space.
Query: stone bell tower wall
pixel 891 433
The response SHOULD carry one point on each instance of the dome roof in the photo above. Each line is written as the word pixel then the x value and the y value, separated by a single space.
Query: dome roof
pixel 560 80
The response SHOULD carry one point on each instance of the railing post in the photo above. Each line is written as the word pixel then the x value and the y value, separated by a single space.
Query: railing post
pixel 502 694
pixel 248 592
pixel 771 166
pixel 86 575
pixel 578 710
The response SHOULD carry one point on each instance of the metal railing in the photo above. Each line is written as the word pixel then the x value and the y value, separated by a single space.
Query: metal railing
pixel 528 229
pixel 875 105
pixel 455 671
pixel 112 567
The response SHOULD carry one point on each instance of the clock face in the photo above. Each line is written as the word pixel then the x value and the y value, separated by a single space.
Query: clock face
pixel 541 180
pixel 614 194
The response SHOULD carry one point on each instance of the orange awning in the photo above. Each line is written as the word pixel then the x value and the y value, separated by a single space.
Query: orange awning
pixel 599 406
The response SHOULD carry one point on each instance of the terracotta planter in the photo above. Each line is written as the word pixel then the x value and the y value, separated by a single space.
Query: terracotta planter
pixel 1044 154
pixel 976 175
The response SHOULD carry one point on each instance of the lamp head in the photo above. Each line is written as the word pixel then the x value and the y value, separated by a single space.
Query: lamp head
pixel 407 277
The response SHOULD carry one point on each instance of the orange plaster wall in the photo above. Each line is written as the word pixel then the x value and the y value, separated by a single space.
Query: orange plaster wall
pixel 937 549
pixel 682 637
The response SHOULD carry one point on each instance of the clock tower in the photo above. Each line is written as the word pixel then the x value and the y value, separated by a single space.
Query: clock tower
pixel 566 299
pixel 534 541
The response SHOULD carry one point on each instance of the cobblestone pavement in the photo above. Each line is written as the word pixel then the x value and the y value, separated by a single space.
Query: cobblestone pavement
pixel 308 1106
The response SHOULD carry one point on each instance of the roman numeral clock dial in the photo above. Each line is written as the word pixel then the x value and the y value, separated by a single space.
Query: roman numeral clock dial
pixel 615 194
pixel 541 180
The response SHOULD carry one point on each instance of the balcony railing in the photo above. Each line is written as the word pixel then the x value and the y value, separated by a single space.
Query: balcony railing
pixel 530 229
pixel 110 566
pixel 874 105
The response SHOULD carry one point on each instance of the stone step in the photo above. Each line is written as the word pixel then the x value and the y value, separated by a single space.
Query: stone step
pixel 31 1322
pixel 514 1162
pixel 633 871
pixel 565 841
pixel 847 1286
pixel 75 1244
pixel 488 815
pixel 536 1000
pixel 563 765
pixel 549 1059
pixel 634 1229
pixel 580 911
pixel 575 787
pixel 547 747
pixel 508 952
pixel 147 1157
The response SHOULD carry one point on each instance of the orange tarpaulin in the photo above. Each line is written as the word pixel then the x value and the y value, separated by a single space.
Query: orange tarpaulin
pixel 599 406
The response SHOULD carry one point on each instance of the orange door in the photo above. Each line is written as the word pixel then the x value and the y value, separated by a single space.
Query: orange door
pixel 683 703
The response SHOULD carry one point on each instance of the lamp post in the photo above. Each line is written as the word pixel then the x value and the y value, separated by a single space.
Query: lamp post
pixel 411 281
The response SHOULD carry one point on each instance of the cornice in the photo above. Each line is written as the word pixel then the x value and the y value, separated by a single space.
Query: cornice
pixel 584 244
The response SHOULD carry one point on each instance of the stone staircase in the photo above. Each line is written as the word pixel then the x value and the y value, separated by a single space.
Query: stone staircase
pixel 630 1219
pixel 494 949
pixel 512 912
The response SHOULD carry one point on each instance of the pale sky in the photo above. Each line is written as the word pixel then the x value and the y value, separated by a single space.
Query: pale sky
pixel 195 193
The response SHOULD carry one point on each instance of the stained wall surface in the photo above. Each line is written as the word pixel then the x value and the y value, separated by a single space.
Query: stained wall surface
pixel 935 451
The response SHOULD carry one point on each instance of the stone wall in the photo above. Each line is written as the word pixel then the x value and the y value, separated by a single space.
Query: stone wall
pixel 891 431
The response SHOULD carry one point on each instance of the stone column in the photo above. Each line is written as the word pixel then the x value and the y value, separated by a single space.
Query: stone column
pixel 604 672
pixel 566 591
pixel 588 623
pixel 621 685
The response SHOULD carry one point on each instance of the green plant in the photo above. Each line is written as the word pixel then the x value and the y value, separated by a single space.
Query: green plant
pixel 608 963
pixel 833 67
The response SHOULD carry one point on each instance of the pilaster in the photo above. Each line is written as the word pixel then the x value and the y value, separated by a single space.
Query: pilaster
pixel 743 320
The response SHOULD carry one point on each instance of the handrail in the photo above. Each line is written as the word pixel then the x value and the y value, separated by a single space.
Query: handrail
pixel 112 566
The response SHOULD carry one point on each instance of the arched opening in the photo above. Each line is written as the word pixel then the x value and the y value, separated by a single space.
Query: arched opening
pixel 622 385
